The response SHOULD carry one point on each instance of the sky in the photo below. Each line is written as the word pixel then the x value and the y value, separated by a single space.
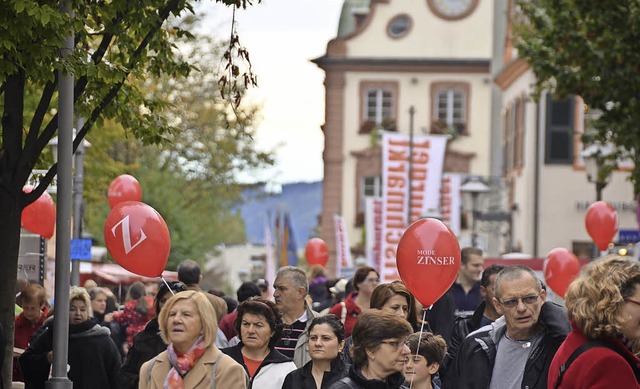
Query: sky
pixel 282 36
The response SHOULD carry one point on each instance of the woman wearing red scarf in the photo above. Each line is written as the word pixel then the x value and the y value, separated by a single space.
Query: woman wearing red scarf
pixel 603 305
pixel 192 360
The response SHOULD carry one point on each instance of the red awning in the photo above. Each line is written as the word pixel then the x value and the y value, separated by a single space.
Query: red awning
pixel 115 274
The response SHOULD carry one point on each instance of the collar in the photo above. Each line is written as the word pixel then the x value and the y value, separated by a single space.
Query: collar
pixel 303 318
pixel 395 380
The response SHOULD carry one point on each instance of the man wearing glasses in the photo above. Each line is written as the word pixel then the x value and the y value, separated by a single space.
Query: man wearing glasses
pixel 516 350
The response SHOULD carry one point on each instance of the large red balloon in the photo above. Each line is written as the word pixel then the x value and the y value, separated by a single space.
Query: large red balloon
pixel 560 268
pixel 39 217
pixel 428 259
pixel 138 238
pixel 601 221
pixel 124 188
pixel 316 252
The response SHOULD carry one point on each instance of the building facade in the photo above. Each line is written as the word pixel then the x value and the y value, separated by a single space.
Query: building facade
pixel 542 165
pixel 444 66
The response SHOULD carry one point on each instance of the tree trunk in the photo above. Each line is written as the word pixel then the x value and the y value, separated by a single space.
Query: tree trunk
pixel 9 249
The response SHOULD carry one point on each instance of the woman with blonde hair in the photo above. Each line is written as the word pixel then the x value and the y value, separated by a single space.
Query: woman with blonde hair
pixel 192 360
pixel 603 305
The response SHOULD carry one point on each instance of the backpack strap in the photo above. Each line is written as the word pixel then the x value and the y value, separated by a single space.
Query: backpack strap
pixel 150 367
pixel 214 367
pixel 586 346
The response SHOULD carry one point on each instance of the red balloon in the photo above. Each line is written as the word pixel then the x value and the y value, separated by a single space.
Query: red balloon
pixel 560 268
pixel 124 188
pixel 316 252
pixel 39 217
pixel 138 238
pixel 428 259
pixel 601 221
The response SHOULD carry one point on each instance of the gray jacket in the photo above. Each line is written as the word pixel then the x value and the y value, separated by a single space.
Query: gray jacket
pixel 301 355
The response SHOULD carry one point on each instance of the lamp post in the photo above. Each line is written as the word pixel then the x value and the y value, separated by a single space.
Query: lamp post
pixel 412 112
pixel 598 165
pixel 473 188
pixel 78 193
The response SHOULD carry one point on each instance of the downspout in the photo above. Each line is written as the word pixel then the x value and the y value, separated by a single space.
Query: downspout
pixel 536 179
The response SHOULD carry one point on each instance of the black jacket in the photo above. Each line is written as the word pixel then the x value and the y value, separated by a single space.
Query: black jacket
pixel 146 345
pixel 355 380
pixel 461 328
pixel 302 378
pixel 473 365
pixel 93 358
pixel 3 345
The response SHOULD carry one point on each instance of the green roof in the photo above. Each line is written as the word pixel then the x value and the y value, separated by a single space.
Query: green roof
pixel 347 23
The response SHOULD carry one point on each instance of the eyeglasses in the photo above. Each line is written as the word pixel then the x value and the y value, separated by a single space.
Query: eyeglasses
pixel 374 280
pixel 395 344
pixel 512 303
pixel 632 301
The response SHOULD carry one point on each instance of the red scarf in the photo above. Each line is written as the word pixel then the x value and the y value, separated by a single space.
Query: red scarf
pixel 181 364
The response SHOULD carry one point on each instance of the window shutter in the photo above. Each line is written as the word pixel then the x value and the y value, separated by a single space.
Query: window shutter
pixel 559 131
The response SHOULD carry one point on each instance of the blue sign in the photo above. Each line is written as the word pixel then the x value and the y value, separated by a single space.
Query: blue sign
pixel 80 249
pixel 628 236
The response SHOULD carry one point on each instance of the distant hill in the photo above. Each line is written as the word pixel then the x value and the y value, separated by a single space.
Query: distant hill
pixel 302 200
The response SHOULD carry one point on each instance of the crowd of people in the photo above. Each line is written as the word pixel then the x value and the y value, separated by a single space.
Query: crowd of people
pixel 494 328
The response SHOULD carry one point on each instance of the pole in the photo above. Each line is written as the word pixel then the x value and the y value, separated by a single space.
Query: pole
pixel 474 212
pixel 78 192
pixel 599 187
pixel 59 379
pixel 412 112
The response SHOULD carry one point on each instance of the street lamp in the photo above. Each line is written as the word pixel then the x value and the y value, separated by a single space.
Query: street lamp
pixel 78 192
pixel 598 165
pixel 473 188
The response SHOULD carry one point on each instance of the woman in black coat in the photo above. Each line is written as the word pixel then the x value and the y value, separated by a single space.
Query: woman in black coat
pixel 326 341
pixel 94 360
pixel 147 343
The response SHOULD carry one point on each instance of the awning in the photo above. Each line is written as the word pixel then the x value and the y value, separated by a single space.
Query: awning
pixel 115 274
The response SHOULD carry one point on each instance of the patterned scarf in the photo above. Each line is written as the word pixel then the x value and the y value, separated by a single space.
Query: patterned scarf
pixel 182 364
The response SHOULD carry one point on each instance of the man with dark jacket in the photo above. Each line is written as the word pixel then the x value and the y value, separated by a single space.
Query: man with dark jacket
pixel 484 315
pixel 462 298
pixel 516 350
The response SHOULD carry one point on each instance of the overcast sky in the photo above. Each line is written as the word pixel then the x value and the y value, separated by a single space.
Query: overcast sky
pixel 282 37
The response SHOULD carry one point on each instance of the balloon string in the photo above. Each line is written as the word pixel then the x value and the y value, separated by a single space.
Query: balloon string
pixel 424 318
pixel 168 287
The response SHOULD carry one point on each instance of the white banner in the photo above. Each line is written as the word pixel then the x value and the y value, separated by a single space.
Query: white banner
pixel 427 157
pixel 450 201
pixel 343 250
pixel 373 227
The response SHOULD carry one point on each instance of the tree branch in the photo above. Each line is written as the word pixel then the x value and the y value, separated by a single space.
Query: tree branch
pixel 48 132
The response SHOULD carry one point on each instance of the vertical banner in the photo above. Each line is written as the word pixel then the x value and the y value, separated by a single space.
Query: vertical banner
pixel 286 247
pixel 450 201
pixel 343 250
pixel 421 190
pixel 373 227
pixel 290 248
pixel 270 266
